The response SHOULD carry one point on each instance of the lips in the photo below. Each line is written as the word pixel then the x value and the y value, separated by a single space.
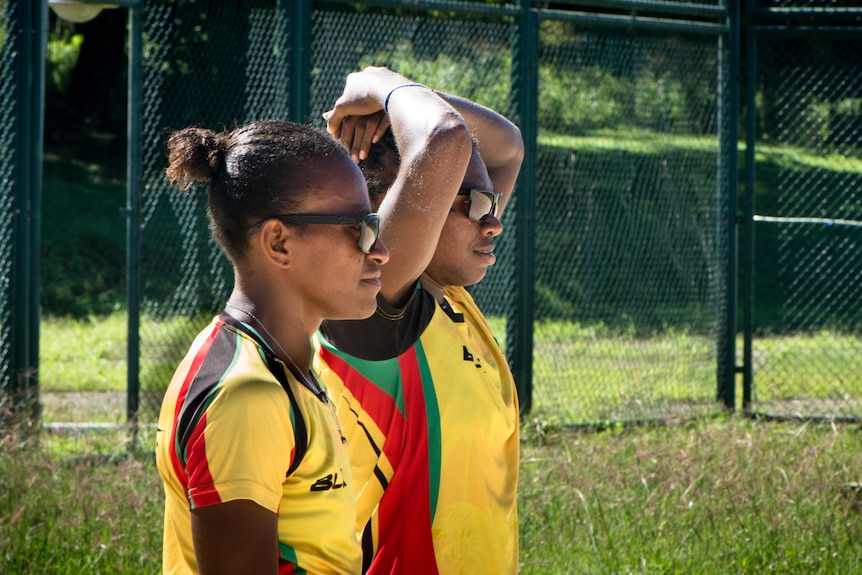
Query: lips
pixel 486 249
pixel 373 279
pixel 486 253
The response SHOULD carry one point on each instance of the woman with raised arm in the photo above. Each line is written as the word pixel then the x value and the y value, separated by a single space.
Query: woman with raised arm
pixel 424 394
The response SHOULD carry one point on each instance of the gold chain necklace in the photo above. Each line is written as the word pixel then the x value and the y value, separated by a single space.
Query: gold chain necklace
pixel 310 384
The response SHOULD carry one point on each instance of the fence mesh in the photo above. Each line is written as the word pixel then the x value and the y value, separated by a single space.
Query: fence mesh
pixel 629 242
pixel 213 67
pixel 20 188
pixel 807 354
pixel 630 252
pixel 185 276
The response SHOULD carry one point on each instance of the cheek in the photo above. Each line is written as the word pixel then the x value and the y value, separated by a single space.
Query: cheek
pixel 457 231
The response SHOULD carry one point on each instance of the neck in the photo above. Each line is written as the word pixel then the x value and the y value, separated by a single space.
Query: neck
pixel 432 287
pixel 283 332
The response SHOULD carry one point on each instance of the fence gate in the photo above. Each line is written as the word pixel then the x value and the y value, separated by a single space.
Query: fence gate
pixel 802 284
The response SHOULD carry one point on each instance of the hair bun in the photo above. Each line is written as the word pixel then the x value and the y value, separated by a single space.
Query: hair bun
pixel 196 154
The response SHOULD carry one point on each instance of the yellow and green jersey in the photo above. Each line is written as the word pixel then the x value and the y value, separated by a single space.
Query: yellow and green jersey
pixel 236 424
pixel 430 412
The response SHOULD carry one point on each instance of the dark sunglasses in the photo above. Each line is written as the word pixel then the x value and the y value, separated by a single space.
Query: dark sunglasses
pixel 482 203
pixel 369 225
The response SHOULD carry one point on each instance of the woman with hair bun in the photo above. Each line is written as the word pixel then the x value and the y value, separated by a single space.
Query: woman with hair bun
pixel 248 447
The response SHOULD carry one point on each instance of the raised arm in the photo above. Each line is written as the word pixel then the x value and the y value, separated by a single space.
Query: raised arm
pixel 498 141
pixel 435 147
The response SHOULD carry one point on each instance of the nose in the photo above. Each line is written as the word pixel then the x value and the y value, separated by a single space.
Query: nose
pixel 379 253
pixel 491 226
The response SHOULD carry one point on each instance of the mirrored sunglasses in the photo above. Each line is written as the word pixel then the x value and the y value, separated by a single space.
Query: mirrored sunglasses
pixel 369 225
pixel 482 203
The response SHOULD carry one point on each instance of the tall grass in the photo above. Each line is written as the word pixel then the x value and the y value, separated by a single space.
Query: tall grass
pixel 78 504
pixel 717 496
pixel 720 495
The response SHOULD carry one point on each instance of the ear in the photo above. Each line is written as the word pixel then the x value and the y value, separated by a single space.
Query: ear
pixel 274 240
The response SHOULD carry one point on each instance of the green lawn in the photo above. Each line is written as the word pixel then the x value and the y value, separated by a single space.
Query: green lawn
pixel 581 373
pixel 715 495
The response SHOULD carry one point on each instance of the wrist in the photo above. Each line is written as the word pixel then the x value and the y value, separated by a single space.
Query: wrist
pixel 396 88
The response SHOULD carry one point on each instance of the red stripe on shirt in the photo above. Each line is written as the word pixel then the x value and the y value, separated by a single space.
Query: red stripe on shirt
pixel 378 406
pixel 176 461
pixel 404 513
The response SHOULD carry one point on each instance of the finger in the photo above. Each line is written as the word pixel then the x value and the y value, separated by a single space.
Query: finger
pixel 381 128
pixel 326 116
pixel 347 134
pixel 372 125
pixel 336 118
pixel 362 135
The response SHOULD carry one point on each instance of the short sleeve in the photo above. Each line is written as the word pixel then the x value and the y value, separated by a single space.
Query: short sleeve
pixel 243 446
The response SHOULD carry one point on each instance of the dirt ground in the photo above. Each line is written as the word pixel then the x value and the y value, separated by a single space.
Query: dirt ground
pixel 84 407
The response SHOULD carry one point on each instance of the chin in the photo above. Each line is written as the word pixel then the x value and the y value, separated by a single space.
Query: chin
pixel 361 310
pixel 473 280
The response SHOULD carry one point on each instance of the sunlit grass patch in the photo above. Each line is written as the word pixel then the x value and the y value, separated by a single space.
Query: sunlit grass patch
pixel 83 355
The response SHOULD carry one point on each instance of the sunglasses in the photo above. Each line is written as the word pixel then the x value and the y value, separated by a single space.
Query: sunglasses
pixel 482 203
pixel 369 225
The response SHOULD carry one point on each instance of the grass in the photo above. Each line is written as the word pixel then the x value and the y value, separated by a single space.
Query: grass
pixel 716 495
pixel 83 355
pixel 640 377
pixel 721 495
pixel 78 504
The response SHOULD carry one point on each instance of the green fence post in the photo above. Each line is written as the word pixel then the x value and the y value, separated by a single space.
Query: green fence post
pixel 300 73
pixel 748 221
pixel 728 183
pixel 519 328
pixel 133 203
pixel 30 99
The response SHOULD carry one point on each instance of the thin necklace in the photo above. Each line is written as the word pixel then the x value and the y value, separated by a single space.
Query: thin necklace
pixel 312 385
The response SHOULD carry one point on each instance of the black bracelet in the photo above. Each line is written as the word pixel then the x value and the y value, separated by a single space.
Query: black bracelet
pixel 389 95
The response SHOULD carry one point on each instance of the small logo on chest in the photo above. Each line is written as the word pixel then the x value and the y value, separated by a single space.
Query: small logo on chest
pixel 469 357
pixel 328 482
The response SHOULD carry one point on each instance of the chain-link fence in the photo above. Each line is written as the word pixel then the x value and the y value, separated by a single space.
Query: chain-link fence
pixel 629 242
pixel 215 66
pixel 630 250
pixel 804 186
pixel 617 269
pixel 8 201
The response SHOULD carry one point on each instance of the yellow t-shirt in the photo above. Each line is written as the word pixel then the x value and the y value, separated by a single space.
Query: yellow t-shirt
pixel 432 434
pixel 236 424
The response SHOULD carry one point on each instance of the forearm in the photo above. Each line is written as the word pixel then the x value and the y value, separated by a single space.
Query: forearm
pixel 425 125
pixel 498 141
pixel 434 147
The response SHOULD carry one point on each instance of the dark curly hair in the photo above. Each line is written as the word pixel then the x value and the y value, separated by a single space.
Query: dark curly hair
pixel 253 172
pixel 380 167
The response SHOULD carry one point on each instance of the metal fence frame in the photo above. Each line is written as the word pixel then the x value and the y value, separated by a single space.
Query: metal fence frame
pixel 524 21
pixel 20 309
pixel 23 74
